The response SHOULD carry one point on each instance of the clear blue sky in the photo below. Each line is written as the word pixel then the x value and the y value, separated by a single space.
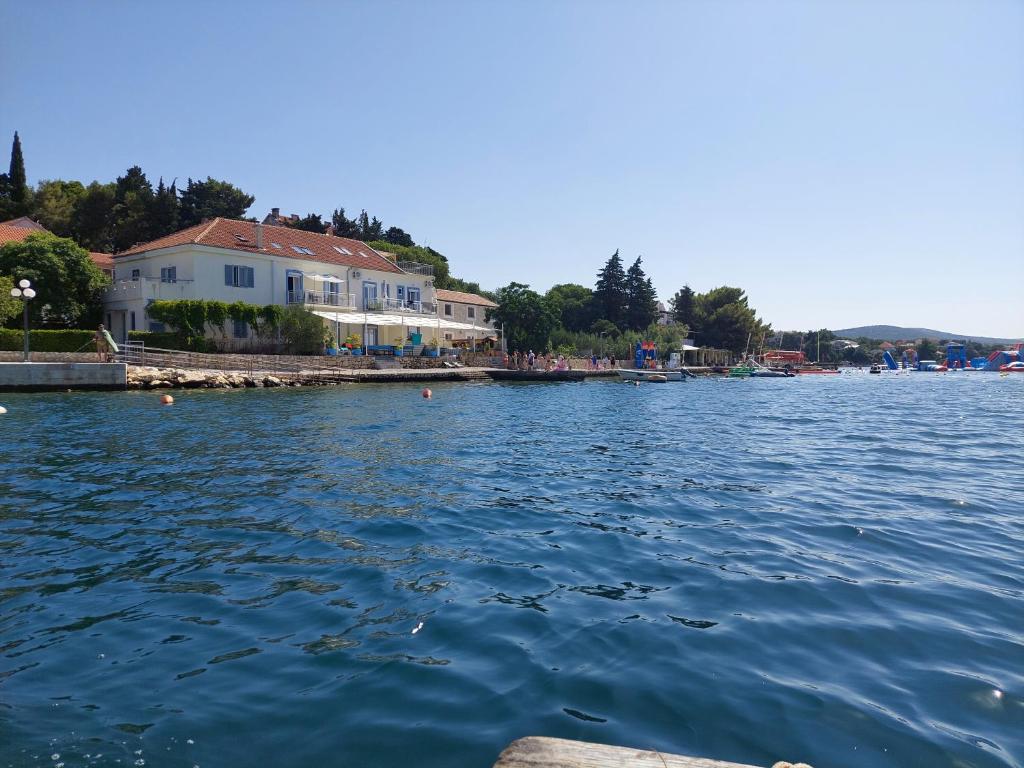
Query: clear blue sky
pixel 845 162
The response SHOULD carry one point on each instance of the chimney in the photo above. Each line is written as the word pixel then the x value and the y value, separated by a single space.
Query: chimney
pixel 330 230
pixel 275 212
pixel 259 236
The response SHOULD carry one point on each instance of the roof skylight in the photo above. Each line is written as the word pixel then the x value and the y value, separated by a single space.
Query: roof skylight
pixel 343 251
pixel 276 245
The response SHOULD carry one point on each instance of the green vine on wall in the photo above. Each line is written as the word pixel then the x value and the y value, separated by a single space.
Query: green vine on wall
pixel 189 317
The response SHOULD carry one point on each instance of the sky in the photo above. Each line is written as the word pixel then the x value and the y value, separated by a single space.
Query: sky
pixel 846 163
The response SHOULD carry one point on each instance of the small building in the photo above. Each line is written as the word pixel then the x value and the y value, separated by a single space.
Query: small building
pixel 468 310
pixel 17 230
pixel 355 289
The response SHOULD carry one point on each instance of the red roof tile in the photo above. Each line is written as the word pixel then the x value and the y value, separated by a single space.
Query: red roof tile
pixel 15 233
pixel 236 235
pixel 464 298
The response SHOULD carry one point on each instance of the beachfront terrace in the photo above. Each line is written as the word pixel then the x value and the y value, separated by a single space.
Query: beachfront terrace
pixel 416 268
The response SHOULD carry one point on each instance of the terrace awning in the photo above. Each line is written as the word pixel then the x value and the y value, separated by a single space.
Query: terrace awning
pixel 323 278
pixel 374 318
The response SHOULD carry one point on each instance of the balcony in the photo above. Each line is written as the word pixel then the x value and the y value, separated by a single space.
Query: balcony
pixel 388 304
pixel 148 288
pixel 323 299
pixel 415 268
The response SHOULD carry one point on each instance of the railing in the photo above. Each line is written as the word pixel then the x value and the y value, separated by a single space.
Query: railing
pixel 148 288
pixel 322 298
pixel 416 268
pixel 388 304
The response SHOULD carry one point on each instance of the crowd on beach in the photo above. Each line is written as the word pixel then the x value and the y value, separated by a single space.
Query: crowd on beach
pixel 528 361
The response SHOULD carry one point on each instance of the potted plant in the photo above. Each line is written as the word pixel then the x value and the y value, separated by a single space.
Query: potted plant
pixel 433 351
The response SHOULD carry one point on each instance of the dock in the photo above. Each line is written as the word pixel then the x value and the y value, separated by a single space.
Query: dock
pixel 60 377
pixel 543 752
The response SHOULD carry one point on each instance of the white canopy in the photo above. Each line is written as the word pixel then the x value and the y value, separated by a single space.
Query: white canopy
pixel 374 318
pixel 323 278
pixel 688 348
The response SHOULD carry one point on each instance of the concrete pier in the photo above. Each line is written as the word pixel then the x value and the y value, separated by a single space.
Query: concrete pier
pixel 39 377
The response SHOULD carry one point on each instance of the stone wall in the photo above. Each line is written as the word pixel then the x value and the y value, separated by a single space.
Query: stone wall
pixel 50 357
pixel 60 376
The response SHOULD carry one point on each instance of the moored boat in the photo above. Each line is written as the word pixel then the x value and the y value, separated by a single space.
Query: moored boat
pixel 645 374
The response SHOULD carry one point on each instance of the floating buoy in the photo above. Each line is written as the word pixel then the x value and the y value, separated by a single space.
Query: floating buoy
pixel 427 393
pixel 2 410
pixel 166 400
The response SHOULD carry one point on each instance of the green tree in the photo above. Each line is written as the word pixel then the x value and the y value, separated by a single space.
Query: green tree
pixel 130 217
pixel 164 212
pixel 54 203
pixel 66 281
pixel 398 236
pixel 9 306
pixel 573 304
pixel 15 195
pixel 726 321
pixel 610 292
pixel 344 226
pixel 641 298
pixel 422 255
pixel 92 216
pixel 311 223
pixel 304 332
pixel 370 229
pixel 684 307
pixel 202 200
pixel 526 316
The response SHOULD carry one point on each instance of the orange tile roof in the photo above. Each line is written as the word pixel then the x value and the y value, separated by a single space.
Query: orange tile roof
pixel 236 235
pixel 15 233
pixel 464 298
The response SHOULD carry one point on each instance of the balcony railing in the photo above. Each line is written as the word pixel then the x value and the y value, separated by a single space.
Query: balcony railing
pixel 148 288
pixel 415 268
pixel 388 304
pixel 322 298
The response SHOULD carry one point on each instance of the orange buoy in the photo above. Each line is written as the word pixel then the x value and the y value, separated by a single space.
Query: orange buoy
pixel 427 393
pixel 166 400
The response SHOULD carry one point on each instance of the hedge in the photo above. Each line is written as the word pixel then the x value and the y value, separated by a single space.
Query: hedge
pixel 47 341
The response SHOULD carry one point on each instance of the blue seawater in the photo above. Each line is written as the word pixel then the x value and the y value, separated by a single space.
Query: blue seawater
pixel 825 569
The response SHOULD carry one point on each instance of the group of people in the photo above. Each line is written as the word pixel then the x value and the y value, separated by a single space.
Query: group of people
pixel 601 364
pixel 528 361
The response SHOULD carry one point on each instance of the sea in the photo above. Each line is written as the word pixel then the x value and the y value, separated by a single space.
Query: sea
pixel 827 569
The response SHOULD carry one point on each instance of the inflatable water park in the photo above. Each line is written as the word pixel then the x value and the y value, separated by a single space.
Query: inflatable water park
pixel 1003 361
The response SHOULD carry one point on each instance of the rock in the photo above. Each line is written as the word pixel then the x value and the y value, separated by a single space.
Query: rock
pixel 271 381
pixel 159 384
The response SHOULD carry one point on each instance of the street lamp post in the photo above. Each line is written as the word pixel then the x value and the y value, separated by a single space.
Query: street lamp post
pixel 26 293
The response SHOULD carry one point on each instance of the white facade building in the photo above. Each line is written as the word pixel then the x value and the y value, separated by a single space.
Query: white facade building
pixel 353 287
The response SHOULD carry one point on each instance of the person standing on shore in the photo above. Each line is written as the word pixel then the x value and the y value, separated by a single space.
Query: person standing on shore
pixel 105 346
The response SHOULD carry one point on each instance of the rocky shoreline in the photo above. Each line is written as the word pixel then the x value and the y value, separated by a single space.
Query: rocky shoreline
pixel 147 377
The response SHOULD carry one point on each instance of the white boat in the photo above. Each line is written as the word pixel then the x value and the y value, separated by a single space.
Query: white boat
pixel 645 374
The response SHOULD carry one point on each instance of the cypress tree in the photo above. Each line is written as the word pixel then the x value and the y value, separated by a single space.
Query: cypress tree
pixel 684 307
pixel 641 298
pixel 164 216
pixel 610 296
pixel 15 196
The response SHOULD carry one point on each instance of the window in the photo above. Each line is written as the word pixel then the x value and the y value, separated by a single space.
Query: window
pixel 276 245
pixel 136 274
pixel 241 329
pixel 155 327
pixel 133 320
pixel 400 293
pixel 342 251
pixel 447 310
pixel 300 249
pixel 168 274
pixel 448 337
pixel 239 277
pixel 471 312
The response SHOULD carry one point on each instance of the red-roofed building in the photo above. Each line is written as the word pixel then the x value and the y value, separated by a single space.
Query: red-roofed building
pixel 17 230
pixel 353 287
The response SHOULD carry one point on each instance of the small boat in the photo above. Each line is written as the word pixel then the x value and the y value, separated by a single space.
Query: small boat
pixel 770 373
pixel 657 378
pixel 876 368
pixel 645 374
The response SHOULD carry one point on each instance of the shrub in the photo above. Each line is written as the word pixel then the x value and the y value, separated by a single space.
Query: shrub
pixel 305 332
pixel 47 341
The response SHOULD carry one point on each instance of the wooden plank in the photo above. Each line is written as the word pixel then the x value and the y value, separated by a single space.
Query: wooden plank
pixel 543 752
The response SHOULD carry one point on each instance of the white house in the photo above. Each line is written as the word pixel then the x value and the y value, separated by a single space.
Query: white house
pixel 465 309
pixel 353 287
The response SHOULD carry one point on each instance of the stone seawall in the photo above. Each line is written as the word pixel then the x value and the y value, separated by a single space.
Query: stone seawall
pixel 62 376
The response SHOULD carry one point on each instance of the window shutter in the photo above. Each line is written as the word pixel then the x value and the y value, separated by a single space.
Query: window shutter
pixel 228 269
pixel 251 276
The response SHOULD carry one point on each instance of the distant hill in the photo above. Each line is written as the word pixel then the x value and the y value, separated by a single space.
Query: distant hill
pixel 897 333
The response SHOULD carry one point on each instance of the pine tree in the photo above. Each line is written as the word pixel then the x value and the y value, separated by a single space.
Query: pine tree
pixel 398 236
pixel 684 307
pixel 15 196
pixel 164 214
pixel 376 231
pixel 133 202
pixel 344 226
pixel 364 225
pixel 610 297
pixel 641 298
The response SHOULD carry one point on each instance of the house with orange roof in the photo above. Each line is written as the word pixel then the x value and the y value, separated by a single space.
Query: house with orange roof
pixel 17 230
pixel 355 289
pixel 469 309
